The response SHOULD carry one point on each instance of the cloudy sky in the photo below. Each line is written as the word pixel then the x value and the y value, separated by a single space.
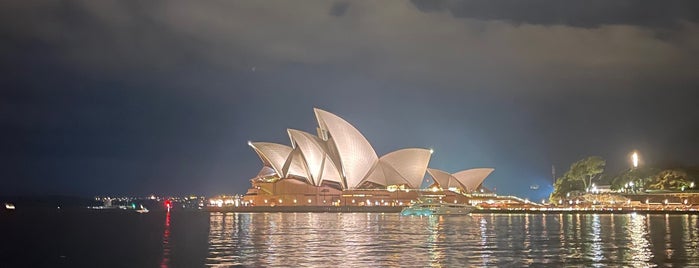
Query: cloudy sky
pixel 134 97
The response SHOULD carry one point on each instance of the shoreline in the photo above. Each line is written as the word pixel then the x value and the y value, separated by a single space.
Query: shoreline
pixel 397 209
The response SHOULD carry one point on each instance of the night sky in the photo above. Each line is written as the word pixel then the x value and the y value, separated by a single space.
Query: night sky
pixel 140 97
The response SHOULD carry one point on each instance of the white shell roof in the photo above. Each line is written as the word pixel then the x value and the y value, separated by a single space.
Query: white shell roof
pixel 342 154
pixel 273 155
pixel 313 151
pixel 330 172
pixel 444 179
pixel 266 171
pixel 472 178
pixel 409 163
pixel 376 175
pixel 356 155
pixel 385 174
pixel 295 166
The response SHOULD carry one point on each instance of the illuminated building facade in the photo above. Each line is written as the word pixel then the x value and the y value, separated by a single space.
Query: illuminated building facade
pixel 339 167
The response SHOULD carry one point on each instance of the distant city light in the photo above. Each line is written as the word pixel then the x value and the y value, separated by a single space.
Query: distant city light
pixel 634 159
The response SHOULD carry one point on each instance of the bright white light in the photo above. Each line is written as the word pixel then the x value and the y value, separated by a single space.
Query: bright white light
pixel 634 159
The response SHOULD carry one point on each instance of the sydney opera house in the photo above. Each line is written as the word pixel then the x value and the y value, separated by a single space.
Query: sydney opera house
pixel 339 167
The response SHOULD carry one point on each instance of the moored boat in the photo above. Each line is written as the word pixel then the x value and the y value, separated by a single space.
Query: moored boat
pixel 142 209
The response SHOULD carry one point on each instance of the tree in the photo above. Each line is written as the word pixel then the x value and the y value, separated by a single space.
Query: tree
pixel 671 179
pixel 579 177
pixel 586 170
pixel 562 186
pixel 641 176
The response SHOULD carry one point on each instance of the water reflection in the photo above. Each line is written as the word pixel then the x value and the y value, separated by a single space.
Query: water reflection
pixel 596 240
pixel 435 251
pixel 639 247
pixel 166 242
pixel 691 235
pixel 370 239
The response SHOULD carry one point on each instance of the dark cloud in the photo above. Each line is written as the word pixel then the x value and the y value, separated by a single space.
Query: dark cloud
pixel 586 13
pixel 339 9
pixel 123 97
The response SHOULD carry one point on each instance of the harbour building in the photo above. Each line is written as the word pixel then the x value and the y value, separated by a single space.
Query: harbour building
pixel 338 167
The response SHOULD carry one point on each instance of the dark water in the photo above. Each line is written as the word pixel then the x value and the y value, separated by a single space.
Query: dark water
pixel 199 239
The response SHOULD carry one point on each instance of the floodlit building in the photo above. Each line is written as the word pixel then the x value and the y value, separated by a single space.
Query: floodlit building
pixel 339 167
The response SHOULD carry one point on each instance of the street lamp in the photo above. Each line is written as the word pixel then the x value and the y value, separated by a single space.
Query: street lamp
pixel 634 159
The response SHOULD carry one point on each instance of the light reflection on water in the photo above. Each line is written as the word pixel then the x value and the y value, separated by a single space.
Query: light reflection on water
pixel 371 239
pixel 166 242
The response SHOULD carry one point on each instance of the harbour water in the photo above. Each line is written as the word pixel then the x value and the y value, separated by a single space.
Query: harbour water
pixel 203 239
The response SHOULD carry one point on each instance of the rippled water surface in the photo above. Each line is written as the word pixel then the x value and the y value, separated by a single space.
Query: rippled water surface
pixel 198 239
pixel 362 240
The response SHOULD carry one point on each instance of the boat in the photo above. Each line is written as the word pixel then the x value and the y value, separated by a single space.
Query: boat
pixel 433 205
pixel 9 206
pixel 142 209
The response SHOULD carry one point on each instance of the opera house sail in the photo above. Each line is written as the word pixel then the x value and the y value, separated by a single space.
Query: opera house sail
pixel 338 166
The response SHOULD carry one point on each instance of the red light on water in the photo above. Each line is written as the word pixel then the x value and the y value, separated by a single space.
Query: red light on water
pixel 168 204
